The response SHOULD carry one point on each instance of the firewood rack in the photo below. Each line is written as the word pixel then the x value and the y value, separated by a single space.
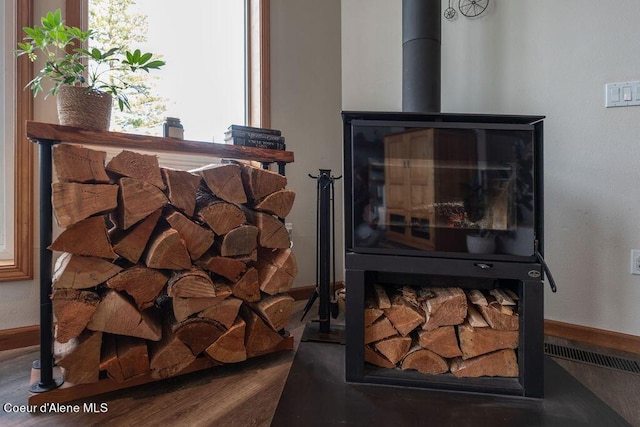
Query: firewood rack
pixel 45 387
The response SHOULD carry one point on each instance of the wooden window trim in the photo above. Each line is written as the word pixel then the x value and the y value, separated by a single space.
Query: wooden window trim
pixel 21 267
pixel 258 54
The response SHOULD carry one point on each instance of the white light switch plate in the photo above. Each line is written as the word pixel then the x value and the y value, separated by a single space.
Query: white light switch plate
pixel 623 94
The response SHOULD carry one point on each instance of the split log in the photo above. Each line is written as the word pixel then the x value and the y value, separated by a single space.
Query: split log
pixel 168 251
pixel 230 348
pixel 371 314
pixel 277 270
pixel 259 183
pixel 477 341
pixel 241 240
pixel 117 315
pixel 278 203
pixel 441 341
pixel 272 232
pixel 139 166
pixel 425 361
pixel 247 288
pixel 375 358
pixel 82 272
pixel 130 244
pixel 193 283
pixel 231 268
pixel 498 319
pixel 181 188
pixel 73 202
pixel 80 357
pixel 224 312
pixel 73 309
pixel 477 297
pixel 185 307
pixel 87 237
pixel 511 294
pixel 404 316
pixel 275 310
pixel 501 363
pixel 78 164
pixel 394 349
pixel 224 181
pixel 137 200
pixel 379 330
pixel 475 319
pixel 447 307
pixel 169 356
pixel 221 216
pixel 198 333
pixel 197 238
pixel 141 283
pixel 502 297
pixel 124 357
pixel 382 299
pixel 259 337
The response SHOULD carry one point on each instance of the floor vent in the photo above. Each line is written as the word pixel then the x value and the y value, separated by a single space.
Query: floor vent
pixel 592 358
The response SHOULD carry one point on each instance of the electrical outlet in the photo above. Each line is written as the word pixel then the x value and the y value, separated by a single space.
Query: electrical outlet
pixel 635 261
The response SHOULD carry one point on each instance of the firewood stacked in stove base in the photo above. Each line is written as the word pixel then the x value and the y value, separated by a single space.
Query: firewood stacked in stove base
pixel 469 333
pixel 162 266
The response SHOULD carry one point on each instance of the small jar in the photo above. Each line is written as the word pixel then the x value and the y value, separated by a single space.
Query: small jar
pixel 172 128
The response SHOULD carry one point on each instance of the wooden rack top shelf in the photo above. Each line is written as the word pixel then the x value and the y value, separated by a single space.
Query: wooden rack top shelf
pixel 37 131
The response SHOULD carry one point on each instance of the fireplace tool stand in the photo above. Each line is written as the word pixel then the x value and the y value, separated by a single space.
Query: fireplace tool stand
pixel 321 330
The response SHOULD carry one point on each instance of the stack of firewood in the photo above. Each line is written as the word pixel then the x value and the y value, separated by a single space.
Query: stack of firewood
pixel 437 330
pixel 162 266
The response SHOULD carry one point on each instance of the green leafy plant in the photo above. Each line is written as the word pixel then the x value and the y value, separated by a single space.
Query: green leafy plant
pixel 68 61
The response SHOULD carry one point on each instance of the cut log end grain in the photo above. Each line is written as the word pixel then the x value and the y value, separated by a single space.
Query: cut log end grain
pixel 168 251
pixel 87 237
pixel 259 337
pixel 224 181
pixel 197 238
pixel 73 202
pixel 136 165
pixel 441 341
pixel 272 232
pixel 394 349
pixel 221 216
pixel 278 203
pixel 182 187
pixel 143 284
pixel 498 319
pixel 230 347
pixel 240 241
pixel 501 363
pixel 73 308
pixel 130 244
pixel 448 306
pixel 198 333
pixel 378 330
pixel 477 341
pixel 258 183
pixel 230 268
pixel 424 361
pixel 275 310
pixel 224 312
pixel 82 272
pixel 247 288
pixel 137 200
pixel 404 316
pixel 169 356
pixel 375 358
pixel 124 357
pixel 192 283
pixel 80 358
pixel 78 164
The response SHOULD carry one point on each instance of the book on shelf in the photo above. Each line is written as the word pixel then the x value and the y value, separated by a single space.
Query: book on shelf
pixel 253 135
pixel 259 143
pixel 243 128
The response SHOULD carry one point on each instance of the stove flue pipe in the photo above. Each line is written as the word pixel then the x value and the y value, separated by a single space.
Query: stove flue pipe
pixel 421 33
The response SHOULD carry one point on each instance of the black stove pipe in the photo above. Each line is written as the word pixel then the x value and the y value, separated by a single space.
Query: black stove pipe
pixel 421 33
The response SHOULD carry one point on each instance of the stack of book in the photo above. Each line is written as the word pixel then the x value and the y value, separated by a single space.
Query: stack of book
pixel 254 137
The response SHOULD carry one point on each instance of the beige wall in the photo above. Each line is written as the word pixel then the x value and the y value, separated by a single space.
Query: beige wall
pixel 550 58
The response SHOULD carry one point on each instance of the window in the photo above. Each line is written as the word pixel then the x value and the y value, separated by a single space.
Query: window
pixel 16 247
pixel 206 49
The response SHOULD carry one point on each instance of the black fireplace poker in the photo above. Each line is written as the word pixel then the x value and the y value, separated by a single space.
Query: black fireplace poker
pixel 321 329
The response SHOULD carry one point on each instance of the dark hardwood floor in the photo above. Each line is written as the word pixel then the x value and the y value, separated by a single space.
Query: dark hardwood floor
pixel 239 395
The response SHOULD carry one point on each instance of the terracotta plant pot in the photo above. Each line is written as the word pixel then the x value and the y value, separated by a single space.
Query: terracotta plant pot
pixel 83 108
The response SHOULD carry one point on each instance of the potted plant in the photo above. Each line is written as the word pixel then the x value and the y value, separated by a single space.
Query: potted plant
pixel 77 70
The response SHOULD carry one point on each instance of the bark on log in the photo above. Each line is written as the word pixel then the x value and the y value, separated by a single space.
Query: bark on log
pixel 378 330
pixel 224 181
pixel 224 312
pixel 241 240
pixel 168 251
pixel 87 237
pixel 192 283
pixel 80 357
pixel 272 232
pixel 78 164
pixel 230 268
pixel 124 357
pixel 501 363
pixel 424 361
pixel 130 244
pixel 221 216
pixel 441 341
pixel 259 183
pixel 278 203
pixel 82 272
pixel 181 189
pixel 197 238
pixel 116 315
pixel 247 288
pixel 394 349
pixel 73 309
pixel 137 200
pixel 275 310
pixel 447 307
pixel 73 202
pixel 477 341
pixel 375 358
pixel 143 284
pixel 139 166
pixel 230 348
pixel 404 316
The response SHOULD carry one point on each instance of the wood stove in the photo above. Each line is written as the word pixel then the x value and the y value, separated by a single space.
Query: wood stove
pixel 443 204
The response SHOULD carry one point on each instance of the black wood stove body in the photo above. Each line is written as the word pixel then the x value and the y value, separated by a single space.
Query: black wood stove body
pixel 446 199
